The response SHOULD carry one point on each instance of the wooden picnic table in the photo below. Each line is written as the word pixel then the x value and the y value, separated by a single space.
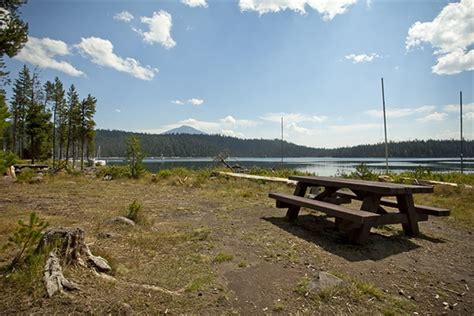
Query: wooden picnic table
pixel 336 191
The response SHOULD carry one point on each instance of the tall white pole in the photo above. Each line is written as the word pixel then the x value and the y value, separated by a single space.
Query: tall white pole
pixel 385 129
pixel 282 153
pixel 460 117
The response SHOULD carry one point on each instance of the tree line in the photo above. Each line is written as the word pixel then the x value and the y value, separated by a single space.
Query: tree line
pixel 48 122
pixel 113 144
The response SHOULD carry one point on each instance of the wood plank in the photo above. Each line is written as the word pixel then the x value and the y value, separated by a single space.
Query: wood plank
pixel 422 209
pixel 383 188
pixel 357 216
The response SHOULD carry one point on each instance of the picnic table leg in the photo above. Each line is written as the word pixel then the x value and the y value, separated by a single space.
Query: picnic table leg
pixel 407 206
pixel 293 211
pixel 360 235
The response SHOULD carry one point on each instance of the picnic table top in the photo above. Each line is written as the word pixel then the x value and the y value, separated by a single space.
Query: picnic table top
pixel 384 188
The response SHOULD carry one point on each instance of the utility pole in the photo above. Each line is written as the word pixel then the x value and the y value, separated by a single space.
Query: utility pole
pixel 282 153
pixel 385 129
pixel 460 117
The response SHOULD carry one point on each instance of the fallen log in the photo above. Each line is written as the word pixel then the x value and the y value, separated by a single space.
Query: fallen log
pixel 254 177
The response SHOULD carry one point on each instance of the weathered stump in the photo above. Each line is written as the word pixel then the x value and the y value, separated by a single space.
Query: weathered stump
pixel 67 245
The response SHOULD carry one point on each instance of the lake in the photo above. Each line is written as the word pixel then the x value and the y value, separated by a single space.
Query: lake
pixel 318 166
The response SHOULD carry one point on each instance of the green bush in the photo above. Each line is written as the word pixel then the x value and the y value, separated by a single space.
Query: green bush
pixel 26 175
pixel 6 160
pixel 134 211
pixel 26 238
pixel 117 172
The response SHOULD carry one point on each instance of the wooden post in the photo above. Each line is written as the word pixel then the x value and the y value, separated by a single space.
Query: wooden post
pixel 385 129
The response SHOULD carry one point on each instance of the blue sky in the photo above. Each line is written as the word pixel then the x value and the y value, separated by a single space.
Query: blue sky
pixel 236 67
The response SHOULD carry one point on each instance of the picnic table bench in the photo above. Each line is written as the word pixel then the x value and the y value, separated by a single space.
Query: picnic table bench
pixel 357 223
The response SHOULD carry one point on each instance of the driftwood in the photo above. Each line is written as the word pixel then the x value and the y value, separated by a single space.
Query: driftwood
pixel 67 245
pixel 222 157
pixel 253 177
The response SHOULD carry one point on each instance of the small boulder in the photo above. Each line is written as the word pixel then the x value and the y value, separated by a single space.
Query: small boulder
pixel 122 220
pixel 324 281
pixel 36 179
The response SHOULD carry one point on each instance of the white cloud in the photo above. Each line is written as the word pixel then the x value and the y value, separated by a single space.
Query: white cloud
pixel 454 62
pixel 468 107
pixel 401 112
pixel 124 16
pixel 230 120
pixel 178 102
pixel 435 116
pixel 451 34
pixel 159 29
pixel 195 101
pixel 362 58
pixel 369 3
pixel 344 128
pixel 41 52
pixel 118 110
pixel 469 116
pixel 293 127
pixel 328 8
pixel 100 52
pixel 293 117
pixel 195 3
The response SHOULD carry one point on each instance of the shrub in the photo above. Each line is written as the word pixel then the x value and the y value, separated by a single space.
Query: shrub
pixel 117 172
pixel 135 157
pixel 26 238
pixel 134 211
pixel 6 160
pixel 26 175
pixel 363 172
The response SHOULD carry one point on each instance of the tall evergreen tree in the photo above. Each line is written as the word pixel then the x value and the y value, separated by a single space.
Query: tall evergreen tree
pixel 73 121
pixel 87 124
pixel 13 34
pixel 4 115
pixel 38 123
pixel 18 107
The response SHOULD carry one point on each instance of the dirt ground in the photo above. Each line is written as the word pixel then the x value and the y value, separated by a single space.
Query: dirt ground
pixel 224 248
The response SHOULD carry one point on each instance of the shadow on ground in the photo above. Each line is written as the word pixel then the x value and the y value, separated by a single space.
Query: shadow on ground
pixel 321 231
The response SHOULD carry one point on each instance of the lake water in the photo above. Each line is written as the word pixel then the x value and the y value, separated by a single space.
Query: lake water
pixel 318 166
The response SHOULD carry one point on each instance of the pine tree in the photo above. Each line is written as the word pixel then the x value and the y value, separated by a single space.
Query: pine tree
pixel 4 115
pixel 38 123
pixel 13 33
pixel 21 99
pixel 73 121
pixel 87 124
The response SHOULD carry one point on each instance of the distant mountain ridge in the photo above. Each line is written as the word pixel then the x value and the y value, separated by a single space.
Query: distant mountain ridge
pixel 113 144
pixel 184 129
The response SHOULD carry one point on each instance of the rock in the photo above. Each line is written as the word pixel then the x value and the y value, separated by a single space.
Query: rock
pixel 106 235
pixel 123 220
pixel 36 179
pixel 324 281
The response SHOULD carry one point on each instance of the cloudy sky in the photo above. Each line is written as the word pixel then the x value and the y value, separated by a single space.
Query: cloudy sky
pixel 237 67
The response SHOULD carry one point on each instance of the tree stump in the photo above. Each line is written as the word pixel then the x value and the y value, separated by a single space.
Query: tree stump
pixel 67 245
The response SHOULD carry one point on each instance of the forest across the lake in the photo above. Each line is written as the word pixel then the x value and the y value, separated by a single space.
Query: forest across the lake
pixel 113 144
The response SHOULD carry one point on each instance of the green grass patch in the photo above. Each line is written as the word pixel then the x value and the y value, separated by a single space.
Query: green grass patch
pixel 223 257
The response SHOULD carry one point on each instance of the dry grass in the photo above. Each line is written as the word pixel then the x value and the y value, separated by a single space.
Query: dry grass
pixel 199 231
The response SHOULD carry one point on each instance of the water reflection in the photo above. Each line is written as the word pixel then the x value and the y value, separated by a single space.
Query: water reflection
pixel 319 166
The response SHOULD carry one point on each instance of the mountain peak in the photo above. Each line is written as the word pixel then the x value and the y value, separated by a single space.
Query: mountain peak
pixel 184 129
